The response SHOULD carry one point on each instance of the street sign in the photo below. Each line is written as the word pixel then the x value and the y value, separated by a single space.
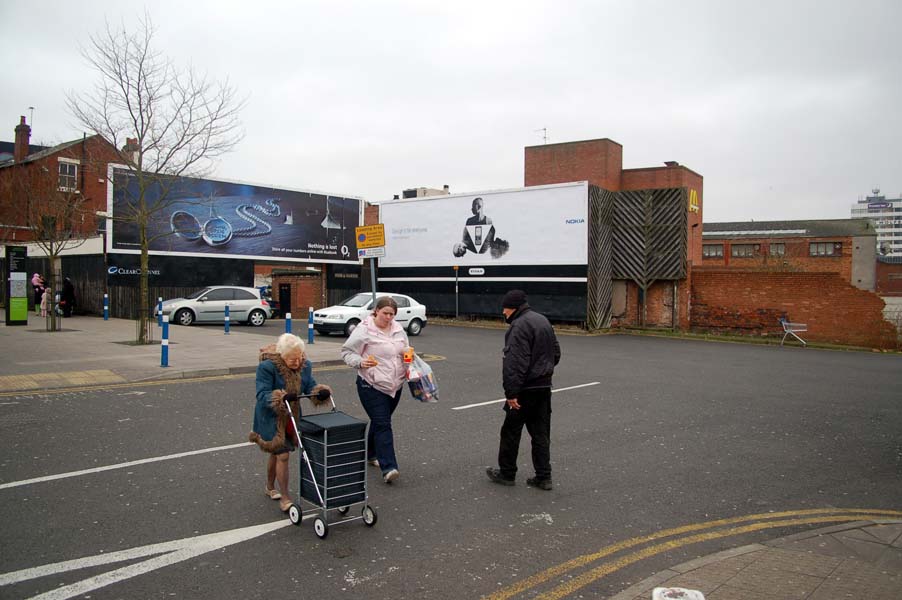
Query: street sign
pixel 370 236
pixel 371 252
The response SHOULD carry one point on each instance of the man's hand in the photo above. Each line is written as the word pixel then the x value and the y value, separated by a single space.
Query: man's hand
pixel 513 404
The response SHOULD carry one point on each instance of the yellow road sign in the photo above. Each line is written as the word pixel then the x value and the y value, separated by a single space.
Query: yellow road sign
pixel 370 236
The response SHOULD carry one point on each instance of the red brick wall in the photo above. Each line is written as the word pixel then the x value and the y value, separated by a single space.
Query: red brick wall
pixel 597 161
pixel 797 257
pixel 751 302
pixel 370 214
pixel 658 306
pixel 306 291
pixel 889 279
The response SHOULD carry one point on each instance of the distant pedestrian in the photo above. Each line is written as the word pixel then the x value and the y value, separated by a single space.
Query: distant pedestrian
pixel 37 284
pixel 68 298
pixel 531 351
pixel 46 301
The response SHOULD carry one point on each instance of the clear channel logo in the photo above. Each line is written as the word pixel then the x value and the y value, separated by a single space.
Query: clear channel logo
pixel 123 271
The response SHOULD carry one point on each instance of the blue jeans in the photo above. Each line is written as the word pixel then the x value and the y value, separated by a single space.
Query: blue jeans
pixel 379 406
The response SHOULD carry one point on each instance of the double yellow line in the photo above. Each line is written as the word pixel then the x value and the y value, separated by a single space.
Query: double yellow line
pixel 764 521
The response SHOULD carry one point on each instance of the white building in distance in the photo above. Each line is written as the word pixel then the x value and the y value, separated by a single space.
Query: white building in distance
pixel 887 216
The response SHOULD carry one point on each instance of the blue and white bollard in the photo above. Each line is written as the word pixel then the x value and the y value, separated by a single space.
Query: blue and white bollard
pixel 106 307
pixel 227 320
pixel 160 311
pixel 164 343
pixel 287 322
pixel 310 327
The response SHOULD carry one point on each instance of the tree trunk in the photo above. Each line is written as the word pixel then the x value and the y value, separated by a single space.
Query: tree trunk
pixel 143 296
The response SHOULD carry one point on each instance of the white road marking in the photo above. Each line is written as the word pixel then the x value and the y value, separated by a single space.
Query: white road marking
pixel 171 553
pixel 572 387
pixel 124 465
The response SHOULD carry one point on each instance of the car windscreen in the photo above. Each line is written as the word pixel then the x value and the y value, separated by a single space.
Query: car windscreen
pixel 197 294
pixel 358 300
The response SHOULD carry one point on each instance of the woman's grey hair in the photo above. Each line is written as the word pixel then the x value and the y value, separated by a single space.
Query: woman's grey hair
pixel 288 342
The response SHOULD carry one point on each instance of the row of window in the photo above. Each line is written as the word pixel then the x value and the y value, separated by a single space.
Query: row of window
pixel 774 249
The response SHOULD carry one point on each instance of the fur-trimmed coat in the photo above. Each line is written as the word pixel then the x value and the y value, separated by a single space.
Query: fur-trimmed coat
pixel 274 380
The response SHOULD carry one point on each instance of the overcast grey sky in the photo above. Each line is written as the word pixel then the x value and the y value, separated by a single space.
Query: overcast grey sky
pixel 789 109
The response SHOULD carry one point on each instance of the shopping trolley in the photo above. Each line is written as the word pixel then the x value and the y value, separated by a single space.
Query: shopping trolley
pixel 332 468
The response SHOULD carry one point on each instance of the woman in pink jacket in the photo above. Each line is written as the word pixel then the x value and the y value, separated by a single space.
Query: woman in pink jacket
pixel 375 349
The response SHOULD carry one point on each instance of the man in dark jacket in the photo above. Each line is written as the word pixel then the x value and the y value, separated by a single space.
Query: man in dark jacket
pixel 531 351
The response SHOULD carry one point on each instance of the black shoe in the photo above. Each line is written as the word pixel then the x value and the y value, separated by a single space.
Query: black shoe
pixel 495 476
pixel 542 484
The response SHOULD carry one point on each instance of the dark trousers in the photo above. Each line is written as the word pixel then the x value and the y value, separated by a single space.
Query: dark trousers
pixel 535 414
pixel 379 408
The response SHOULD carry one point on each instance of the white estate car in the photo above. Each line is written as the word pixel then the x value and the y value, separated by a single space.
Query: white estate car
pixel 344 317
pixel 208 306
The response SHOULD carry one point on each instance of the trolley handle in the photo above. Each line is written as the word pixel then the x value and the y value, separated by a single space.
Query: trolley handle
pixel 321 397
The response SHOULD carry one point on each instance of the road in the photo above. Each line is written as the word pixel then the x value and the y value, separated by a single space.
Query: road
pixel 649 435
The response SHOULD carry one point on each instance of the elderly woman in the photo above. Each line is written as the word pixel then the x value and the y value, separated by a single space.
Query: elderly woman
pixel 375 349
pixel 282 376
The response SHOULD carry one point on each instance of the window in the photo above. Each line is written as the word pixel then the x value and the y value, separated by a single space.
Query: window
pixel 68 176
pixel 712 250
pixel 744 250
pixel 825 248
pixel 777 249
pixel 243 295
pixel 401 301
pixel 219 295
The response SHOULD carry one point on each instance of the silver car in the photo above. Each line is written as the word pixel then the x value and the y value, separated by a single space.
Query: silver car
pixel 208 306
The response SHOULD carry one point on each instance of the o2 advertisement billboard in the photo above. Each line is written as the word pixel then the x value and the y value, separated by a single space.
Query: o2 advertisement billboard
pixel 224 219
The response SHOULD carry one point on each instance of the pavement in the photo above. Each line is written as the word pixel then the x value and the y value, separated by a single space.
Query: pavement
pixel 90 351
pixel 860 560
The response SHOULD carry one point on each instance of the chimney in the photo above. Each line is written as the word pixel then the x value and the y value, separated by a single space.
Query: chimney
pixel 130 149
pixel 23 136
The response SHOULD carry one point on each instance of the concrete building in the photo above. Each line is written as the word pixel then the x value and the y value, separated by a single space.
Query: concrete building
pixel 886 213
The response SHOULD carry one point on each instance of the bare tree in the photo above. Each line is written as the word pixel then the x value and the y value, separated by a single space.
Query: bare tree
pixel 167 123
pixel 56 217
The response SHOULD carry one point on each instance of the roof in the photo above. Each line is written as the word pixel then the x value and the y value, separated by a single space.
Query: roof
pixel 43 153
pixel 8 149
pixel 784 229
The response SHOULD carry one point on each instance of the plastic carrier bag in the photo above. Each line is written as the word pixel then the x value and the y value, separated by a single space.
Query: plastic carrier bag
pixel 421 380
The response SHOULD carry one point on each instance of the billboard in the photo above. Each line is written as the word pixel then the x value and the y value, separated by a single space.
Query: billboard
pixel 224 219
pixel 541 225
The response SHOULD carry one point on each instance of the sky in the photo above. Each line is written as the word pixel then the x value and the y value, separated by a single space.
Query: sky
pixel 788 109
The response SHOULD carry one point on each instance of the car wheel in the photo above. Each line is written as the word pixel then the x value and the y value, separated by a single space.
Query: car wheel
pixel 257 318
pixel 184 317
pixel 415 327
pixel 351 325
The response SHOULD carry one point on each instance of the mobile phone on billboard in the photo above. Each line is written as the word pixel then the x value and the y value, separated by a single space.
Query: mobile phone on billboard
pixel 478 234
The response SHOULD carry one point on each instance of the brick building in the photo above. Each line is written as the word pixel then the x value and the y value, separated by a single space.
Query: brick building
pixel 638 297
pixel 77 168
pixel 844 246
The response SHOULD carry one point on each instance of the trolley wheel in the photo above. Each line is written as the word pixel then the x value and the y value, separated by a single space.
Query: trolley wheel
pixel 343 510
pixel 369 516
pixel 294 514
pixel 320 528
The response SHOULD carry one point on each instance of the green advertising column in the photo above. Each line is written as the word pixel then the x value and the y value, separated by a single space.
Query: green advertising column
pixel 17 286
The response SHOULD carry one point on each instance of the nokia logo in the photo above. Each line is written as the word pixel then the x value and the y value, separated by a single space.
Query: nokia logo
pixel 579 221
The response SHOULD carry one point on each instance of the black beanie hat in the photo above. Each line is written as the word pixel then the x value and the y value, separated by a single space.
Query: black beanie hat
pixel 514 299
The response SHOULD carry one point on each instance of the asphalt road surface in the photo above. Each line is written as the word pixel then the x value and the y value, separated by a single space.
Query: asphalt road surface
pixel 649 435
